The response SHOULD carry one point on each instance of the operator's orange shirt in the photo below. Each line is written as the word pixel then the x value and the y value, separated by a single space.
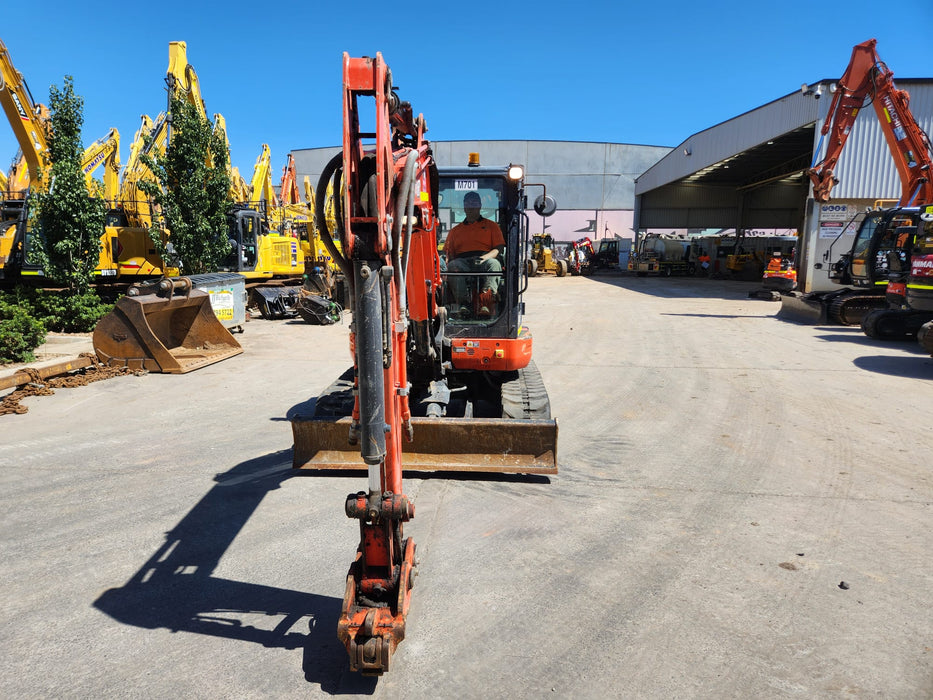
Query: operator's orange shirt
pixel 482 235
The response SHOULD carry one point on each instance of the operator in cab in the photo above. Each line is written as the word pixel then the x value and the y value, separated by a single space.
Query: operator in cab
pixel 473 245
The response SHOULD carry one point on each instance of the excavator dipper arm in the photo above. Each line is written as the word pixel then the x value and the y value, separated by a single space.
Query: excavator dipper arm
pixel 378 592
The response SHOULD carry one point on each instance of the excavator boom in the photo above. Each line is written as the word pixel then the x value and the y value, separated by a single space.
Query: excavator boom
pixel 867 78
pixel 27 119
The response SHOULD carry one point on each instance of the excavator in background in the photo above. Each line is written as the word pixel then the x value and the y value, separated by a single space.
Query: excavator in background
pixel 879 250
pixel 131 217
pixel 28 120
pixel 779 277
pixel 123 250
pixel 426 391
pixel 323 296
pixel 271 260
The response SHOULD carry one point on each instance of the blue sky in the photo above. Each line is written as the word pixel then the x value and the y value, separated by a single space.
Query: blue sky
pixel 645 73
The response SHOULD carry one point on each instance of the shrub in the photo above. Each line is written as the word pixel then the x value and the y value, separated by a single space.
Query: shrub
pixel 58 310
pixel 20 334
pixel 68 313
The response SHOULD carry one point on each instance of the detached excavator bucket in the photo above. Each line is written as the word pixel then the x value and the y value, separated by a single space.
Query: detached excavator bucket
pixel 164 327
pixel 440 444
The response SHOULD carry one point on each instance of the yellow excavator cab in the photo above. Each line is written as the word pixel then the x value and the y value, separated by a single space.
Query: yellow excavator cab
pixel 167 326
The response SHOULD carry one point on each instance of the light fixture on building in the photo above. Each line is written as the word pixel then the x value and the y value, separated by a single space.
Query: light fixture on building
pixel 806 91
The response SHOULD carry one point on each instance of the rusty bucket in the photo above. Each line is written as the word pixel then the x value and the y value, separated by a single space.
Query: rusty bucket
pixel 166 326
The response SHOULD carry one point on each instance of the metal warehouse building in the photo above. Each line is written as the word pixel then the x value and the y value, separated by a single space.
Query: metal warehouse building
pixel 747 173
pixel 750 173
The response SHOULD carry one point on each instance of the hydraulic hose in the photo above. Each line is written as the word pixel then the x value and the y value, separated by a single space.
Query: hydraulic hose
pixel 321 222
pixel 403 205
pixel 409 212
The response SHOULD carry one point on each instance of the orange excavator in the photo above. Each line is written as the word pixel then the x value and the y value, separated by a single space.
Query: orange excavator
pixel 426 392
pixel 877 263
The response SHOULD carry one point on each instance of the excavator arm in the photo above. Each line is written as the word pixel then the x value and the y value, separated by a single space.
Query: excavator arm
pixel 28 121
pixel 104 151
pixel 182 79
pixel 150 140
pixel 381 186
pixel 288 188
pixel 239 190
pixel 868 79
pixel 260 188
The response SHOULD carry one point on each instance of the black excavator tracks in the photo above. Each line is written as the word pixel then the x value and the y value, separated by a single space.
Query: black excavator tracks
pixel 850 309
pixel 894 324
pixel 925 337
pixel 525 396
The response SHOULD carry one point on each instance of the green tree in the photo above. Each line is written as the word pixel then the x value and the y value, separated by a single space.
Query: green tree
pixel 70 222
pixel 191 193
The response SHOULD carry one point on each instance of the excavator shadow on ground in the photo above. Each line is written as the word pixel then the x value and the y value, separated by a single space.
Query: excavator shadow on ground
pixel 906 367
pixel 176 589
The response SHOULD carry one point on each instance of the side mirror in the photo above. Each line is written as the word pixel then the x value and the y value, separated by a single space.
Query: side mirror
pixel 545 205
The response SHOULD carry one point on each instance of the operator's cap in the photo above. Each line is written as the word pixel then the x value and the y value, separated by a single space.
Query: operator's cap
pixel 472 199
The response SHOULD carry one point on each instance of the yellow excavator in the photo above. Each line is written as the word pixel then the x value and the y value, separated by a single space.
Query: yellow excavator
pixel 264 250
pixel 29 173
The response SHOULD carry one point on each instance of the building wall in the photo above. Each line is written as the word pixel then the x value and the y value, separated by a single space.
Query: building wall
pixel 593 183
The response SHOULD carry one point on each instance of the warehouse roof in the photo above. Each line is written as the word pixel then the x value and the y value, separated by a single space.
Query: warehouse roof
pixel 750 171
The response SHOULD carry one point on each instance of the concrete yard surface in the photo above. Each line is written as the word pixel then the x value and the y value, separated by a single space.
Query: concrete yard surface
pixel 743 510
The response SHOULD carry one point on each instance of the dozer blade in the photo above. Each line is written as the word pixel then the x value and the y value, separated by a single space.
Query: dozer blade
pixel 174 334
pixel 440 444
pixel 804 308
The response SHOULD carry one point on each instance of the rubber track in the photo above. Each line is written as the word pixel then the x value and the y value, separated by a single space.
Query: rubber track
pixel 848 310
pixel 337 399
pixel 925 336
pixel 525 396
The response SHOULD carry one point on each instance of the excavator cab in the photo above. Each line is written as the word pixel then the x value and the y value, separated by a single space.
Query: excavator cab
pixel 244 229
pixel 882 247
pixel 481 302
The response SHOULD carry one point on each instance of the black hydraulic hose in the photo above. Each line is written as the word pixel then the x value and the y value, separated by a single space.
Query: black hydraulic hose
pixel 320 221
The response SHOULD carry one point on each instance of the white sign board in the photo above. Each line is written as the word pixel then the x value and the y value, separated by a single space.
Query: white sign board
pixel 835 212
